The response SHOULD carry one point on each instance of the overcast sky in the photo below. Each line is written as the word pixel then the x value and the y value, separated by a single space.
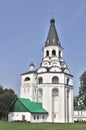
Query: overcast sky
pixel 24 25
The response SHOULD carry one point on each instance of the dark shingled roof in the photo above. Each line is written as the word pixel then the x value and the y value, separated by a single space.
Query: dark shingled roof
pixel 52 38
pixel 29 72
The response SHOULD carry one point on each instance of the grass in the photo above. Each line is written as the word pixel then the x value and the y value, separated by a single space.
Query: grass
pixel 40 126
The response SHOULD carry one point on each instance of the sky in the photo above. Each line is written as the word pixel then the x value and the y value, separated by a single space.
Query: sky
pixel 24 26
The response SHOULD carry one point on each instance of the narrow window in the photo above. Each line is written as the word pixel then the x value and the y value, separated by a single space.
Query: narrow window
pixel 47 53
pixel 37 117
pixel 67 81
pixel 34 117
pixel 53 53
pixel 40 80
pixel 43 117
pixel 59 54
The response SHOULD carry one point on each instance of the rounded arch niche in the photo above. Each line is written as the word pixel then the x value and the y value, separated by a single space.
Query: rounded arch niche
pixel 55 104
pixel 40 80
pixel 40 95
pixel 55 79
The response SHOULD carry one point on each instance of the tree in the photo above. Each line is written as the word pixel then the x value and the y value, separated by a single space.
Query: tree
pixel 80 99
pixel 1 89
pixel 82 89
pixel 75 101
pixel 84 100
pixel 7 97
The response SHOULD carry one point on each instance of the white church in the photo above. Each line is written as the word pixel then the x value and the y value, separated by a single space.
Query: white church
pixel 46 94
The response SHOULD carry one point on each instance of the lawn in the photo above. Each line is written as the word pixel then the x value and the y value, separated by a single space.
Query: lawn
pixel 40 126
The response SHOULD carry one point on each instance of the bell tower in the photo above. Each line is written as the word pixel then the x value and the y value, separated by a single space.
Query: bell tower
pixel 55 82
pixel 53 51
pixel 52 83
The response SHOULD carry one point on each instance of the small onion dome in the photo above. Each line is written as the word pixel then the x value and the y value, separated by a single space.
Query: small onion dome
pixel 32 64
pixel 52 21
pixel 31 67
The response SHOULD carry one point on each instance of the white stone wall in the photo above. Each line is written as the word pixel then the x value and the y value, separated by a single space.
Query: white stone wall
pixel 71 116
pixel 38 118
pixel 65 107
pixel 50 48
pixel 62 104
pixel 17 116
pixel 80 115
pixel 64 115
pixel 27 89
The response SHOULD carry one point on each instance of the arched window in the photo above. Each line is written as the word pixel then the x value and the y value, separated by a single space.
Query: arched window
pixel 40 80
pixel 47 53
pixel 55 79
pixel 53 53
pixel 27 79
pixel 59 54
pixel 55 92
pixel 67 81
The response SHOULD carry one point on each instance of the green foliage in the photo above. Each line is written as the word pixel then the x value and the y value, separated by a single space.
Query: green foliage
pixel 41 126
pixel 82 89
pixel 75 100
pixel 84 101
pixel 7 96
pixel 81 98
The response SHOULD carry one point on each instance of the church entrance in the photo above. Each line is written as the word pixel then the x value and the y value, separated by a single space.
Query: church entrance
pixel 55 105
pixel 23 117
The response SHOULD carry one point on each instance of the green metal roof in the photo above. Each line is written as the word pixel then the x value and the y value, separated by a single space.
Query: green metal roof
pixel 25 105
pixel 78 108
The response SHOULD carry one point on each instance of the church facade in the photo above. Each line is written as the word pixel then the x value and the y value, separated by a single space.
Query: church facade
pixel 51 85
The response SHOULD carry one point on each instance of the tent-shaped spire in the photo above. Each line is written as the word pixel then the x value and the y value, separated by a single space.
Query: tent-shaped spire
pixel 52 39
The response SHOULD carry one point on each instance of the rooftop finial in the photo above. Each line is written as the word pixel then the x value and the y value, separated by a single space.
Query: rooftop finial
pixel 52 21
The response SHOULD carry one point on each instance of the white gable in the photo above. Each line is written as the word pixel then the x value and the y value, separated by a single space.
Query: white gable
pixel 55 69
pixel 66 71
pixel 40 70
